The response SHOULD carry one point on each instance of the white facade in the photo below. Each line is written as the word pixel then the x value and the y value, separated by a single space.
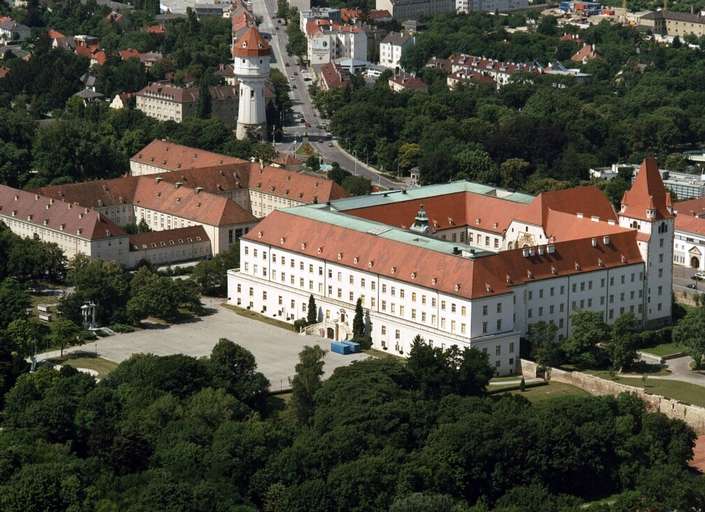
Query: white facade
pixel 278 283
pixel 655 240
pixel 468 6
pixel 327 46
pixel 252 73
pixel 391 51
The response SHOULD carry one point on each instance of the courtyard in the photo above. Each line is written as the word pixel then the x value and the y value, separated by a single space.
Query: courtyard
pixel 275 349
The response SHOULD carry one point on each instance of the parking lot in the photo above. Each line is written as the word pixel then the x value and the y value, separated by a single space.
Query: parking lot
pixel 275 349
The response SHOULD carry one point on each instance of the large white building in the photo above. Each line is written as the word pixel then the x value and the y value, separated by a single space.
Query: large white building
pixel 689 244
pixel 468 6
pixel 462 264
pixel 327 41
pixel 414 9
pixel 392 48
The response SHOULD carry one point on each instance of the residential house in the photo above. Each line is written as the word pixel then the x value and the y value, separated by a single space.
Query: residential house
pixel 393 47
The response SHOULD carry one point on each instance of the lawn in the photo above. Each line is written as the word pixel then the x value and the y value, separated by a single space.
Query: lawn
pixel 548 391
pixel 256 316
pixel 683 391
pixel 508 378
pixel 664 349
pixel 102 366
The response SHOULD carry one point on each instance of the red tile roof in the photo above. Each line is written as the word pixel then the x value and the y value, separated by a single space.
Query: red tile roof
pixel 586 53
pixel 54 213
pixel 173 157
pixel 556 211
pixel 647 193
pixel 129 53
pixel 294 185
pixel 408 82
pixel 453 274
pixel 178 236
pixel 4 72
pixel 694 207
pixel 171 92
pixel 156 29
pixel 156 194
pixel 251 44
pixel 690 224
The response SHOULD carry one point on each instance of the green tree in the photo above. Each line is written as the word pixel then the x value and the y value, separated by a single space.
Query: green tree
pixel 545 347
pixel 306 382
pixel 357 185
pixel 14 301
pixel 689 332
pixel 27 335
pixel 623 341
pixel 359 321
pixel 477 165
pixel 63 333
pixel 161 297
pixel 234 369
pixel 589 329
pixel 513 173
pixel 311 311
pixel 205 102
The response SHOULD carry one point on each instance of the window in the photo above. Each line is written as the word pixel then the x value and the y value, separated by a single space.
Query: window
pixel 443 305
pixel 484 310
pixel 484 327
pixel 499 324
pixel 511 347
pixel 498 350
pixel 499 307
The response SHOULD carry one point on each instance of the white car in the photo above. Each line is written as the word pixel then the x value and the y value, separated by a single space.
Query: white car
pixel 699 276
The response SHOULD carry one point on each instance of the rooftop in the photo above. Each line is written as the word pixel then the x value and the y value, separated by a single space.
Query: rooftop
pixel 172 157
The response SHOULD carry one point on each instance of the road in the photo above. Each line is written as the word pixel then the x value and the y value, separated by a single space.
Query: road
pixel 307 120
pixel 682 277
pixel 275 349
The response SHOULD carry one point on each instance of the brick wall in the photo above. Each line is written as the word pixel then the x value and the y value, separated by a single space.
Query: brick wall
pixel 690 414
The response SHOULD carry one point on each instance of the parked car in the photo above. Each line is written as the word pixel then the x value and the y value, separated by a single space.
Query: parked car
pixel 699 276
pixel 692 286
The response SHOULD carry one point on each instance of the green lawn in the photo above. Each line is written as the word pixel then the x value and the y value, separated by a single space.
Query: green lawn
pixel 102 366
pixel 683 391
pixel 256 316
pixel 551 390
pixel 664 349
pixel 508 378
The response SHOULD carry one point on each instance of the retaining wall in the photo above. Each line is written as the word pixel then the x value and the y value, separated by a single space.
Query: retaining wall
pixel 691 414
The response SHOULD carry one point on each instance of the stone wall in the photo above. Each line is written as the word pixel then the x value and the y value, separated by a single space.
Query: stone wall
pixel 691 414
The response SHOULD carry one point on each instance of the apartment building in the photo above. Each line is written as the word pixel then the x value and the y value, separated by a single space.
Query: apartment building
pixel 167 102
pixel 468 6
pixel 462 264
pixel 257 188
pixel 328 41
pixel 414 9
pixel 392 48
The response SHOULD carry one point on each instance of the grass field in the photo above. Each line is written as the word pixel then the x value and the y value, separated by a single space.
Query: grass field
pixel 102 366
pixel 551 390
pixel 683 391
pixel 664 349
pixel 256 316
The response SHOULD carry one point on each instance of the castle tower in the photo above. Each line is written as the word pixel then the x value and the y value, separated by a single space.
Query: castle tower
pixel 647 208
pixel 251 54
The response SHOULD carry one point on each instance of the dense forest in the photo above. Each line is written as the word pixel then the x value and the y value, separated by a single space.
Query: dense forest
pixel 642 98
pixel 182 434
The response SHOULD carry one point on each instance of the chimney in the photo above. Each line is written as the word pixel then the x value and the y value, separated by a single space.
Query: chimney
pixel 158 179
pixel 606 240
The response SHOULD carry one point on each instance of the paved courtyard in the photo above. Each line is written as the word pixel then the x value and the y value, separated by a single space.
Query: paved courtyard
pixel 275 349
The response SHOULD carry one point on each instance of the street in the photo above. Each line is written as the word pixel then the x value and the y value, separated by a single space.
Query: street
pixel 682 277
pixel 304 113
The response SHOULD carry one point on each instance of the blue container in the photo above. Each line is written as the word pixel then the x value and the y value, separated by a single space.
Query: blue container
pixel 339 347
pixel 354 347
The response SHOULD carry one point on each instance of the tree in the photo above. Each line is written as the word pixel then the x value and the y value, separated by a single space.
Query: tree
pixel 234 369
pixel 545 347
pixel 28 336
pixel 357 185
pixel 63 333
pixel 14 301
pixel 311 311
pixel 623 341
pixel 477 165
pixel 359 321
pixel 161 296
pixel 212 275
pixel 205 105
pixel 513 173
pixel 588 330
pixel 689 332
pixel 306 382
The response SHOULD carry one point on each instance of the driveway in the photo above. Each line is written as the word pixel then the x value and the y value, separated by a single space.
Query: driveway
pixel 276 350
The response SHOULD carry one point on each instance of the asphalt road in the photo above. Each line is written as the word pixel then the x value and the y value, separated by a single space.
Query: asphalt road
pixel 304 111
pixel 682 277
